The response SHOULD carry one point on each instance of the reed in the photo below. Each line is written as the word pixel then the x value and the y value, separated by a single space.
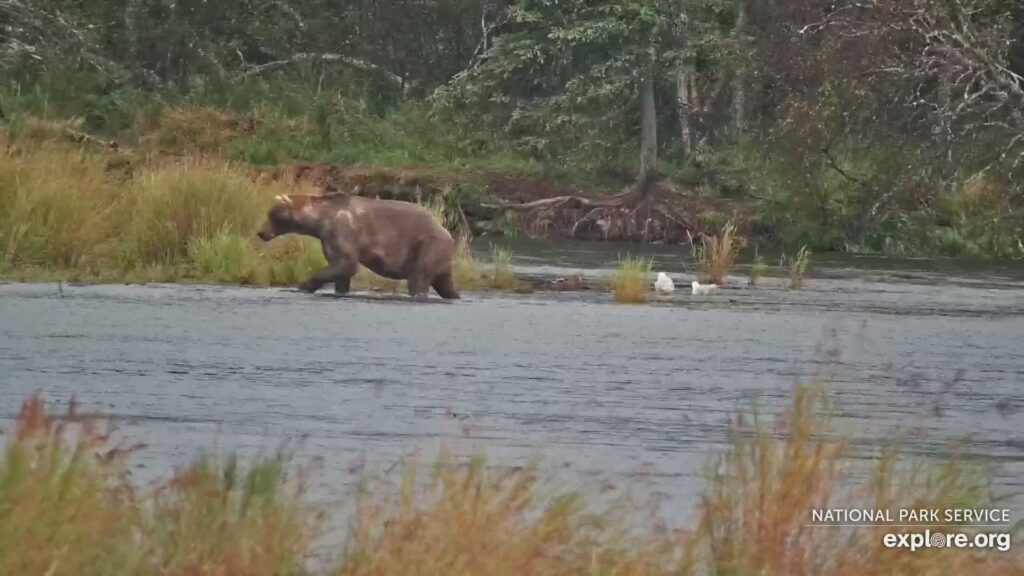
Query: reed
pixel 502 276
pixel 630 283
pixel 716 255
pixel 465 269
pixel 757 269
pixel 798 267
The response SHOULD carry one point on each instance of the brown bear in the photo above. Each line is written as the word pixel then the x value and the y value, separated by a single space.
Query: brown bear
pixel 397 240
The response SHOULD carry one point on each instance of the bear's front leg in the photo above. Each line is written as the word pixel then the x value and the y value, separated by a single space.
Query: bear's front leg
pixel 342 285
pixel 311 285
pixel 340 272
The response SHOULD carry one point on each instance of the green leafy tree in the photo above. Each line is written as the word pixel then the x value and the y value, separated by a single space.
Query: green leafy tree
pixel 580 68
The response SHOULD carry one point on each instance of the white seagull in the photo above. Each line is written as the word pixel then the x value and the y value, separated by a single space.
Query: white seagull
pixel 700 290
pixel 664 283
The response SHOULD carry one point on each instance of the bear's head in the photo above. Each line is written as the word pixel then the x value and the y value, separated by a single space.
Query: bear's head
pixel 282 218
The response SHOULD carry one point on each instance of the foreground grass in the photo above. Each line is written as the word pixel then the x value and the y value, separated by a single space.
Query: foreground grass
pixel 67 508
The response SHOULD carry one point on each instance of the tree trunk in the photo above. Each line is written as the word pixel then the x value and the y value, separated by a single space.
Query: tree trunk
pixel 739 92
pixel 945 129
pixel 698 131
pixel 648 133
pixel 685 113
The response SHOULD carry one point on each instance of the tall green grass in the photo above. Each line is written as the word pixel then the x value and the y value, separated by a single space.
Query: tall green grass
pixel 167 210
pixel 57 208
pixel 66 209
pixel 223 257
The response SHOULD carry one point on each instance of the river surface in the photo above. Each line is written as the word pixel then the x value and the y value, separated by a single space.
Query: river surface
pixel 602 393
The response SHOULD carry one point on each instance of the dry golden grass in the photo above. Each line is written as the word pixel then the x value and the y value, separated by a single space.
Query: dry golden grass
pixel 66 211
pixel 66 508
pixel 760 497
pixel 168 209
pixel 475 519
pixel 630 283
pixel 69 215
pixel 798 267
pixel 465 269
pixel 215 518
pixel 502 277
pixel 58 514
pixel 57 208
pixel 195 129
pixel 716 255
pixel 757 269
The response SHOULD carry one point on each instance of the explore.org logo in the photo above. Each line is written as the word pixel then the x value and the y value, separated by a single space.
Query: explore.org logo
pixel 968 528
pixel 928 539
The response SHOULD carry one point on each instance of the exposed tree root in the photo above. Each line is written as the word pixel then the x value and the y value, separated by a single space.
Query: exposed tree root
pixel 648 212
pixel 635 216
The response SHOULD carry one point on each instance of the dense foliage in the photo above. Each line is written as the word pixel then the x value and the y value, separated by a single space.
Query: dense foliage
pixel 888 125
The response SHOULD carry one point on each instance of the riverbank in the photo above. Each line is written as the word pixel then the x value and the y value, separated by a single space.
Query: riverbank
pixel 174 207
pixel 76 216
pixel 67 513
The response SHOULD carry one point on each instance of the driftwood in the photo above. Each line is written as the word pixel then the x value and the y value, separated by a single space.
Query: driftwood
pixel 83 138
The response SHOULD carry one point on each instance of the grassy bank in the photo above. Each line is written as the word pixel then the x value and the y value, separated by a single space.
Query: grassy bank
pixel 74 215
pixel 67 508
pixel 409 147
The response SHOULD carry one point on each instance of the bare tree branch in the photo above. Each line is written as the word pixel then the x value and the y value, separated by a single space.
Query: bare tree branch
pixel 327 57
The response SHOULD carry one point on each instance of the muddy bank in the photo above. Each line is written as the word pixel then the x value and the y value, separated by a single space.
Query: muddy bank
pixel 492 204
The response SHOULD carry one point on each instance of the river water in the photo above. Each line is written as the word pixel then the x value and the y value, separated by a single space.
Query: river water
pixel 602 393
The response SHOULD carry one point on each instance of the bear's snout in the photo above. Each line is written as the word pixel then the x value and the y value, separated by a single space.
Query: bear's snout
pixel 266 234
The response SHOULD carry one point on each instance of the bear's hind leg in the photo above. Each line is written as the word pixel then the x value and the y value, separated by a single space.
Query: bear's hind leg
pixel 418 285
pixel 445 286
